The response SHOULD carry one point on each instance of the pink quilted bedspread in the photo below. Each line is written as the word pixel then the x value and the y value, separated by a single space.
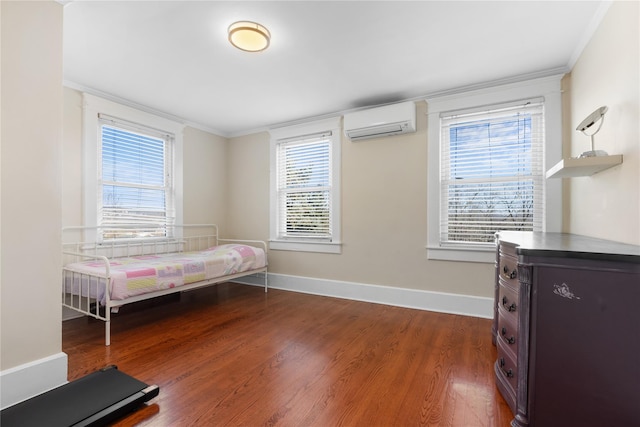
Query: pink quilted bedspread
pixel 148 273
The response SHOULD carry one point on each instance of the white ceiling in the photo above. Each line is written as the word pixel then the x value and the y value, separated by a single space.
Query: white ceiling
pixel 325 56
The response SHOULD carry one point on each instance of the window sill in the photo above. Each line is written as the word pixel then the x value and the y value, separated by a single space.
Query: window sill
pixel 481 255
pixel 328 248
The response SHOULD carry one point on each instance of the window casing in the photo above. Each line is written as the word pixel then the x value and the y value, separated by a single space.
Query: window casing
pixel 487 155
pixel 145 186
pixel 305 188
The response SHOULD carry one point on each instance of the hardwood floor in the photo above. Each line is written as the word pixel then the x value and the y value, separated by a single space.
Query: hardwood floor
pixel 233 355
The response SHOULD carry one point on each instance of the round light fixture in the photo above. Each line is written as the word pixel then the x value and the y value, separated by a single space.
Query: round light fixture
pixel 249 36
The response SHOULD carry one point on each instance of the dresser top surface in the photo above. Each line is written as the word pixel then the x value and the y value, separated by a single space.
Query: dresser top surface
pixel 569 246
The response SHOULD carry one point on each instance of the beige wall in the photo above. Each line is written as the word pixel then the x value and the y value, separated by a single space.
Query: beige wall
pixel 607 204
pixel 205 178
pixel 72 207
pixel 31 181
pixel 384 216
pixel 248 187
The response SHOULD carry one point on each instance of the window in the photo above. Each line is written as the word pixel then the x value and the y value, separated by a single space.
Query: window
pixel 487 156
pixel 132 171
pixel 491 172
pixel 304 190
pixel 305 187
pixel 135 181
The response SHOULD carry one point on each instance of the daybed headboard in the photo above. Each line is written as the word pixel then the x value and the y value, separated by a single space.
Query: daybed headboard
pixel 81 240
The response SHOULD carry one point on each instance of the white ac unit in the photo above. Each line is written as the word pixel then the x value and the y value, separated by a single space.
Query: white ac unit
pixel 381 121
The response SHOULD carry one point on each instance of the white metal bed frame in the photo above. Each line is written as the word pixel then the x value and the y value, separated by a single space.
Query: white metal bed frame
pixel 188 240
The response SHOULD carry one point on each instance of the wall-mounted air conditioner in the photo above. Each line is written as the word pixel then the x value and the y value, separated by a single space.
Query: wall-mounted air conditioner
pixel 381 121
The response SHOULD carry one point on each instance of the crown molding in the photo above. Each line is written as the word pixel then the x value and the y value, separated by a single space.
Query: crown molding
pixel 123 101
pixel 591 29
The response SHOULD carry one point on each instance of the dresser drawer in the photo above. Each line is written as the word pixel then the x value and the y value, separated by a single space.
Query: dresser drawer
pixel 508 332
pixel 506 366
pixel 508 301
pixel 508 270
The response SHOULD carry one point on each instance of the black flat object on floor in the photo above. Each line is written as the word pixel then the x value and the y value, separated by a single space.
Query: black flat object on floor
pixel 94 400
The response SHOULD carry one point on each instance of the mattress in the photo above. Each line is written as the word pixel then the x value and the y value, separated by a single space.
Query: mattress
pixel 144 274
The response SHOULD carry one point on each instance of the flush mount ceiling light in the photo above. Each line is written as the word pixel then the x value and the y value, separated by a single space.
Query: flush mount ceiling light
pixel 249 36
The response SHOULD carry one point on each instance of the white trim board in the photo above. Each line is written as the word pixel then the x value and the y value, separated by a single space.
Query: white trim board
pixel 31 379
pixel 441 302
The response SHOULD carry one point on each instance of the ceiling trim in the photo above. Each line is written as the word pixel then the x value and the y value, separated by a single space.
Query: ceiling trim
pixel 500 82
pixel 123 101
pixel 591 29
pixel 447 92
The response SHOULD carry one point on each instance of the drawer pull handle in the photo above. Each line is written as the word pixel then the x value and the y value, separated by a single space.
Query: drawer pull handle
pixel 510 340
pixel 511 307
pixel 508 373
pixel 509 275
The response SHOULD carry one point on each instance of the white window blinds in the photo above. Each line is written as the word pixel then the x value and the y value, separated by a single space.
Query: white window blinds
pixel 135 180
pixel 304 177
pixel 492 172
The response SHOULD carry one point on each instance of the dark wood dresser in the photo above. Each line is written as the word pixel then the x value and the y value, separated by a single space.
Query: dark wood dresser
pixel 567 329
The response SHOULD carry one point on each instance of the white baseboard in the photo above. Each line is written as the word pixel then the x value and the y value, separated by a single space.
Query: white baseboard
pixel 31 379
pixel 441 302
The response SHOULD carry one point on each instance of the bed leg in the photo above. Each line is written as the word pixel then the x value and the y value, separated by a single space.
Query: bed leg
pixel 107 333
pixel 265 282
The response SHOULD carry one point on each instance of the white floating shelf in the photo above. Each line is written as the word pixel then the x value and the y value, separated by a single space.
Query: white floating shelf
pixel 585 166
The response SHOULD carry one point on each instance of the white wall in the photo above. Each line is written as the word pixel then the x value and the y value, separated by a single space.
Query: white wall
pixel 607 205
pixel 31 113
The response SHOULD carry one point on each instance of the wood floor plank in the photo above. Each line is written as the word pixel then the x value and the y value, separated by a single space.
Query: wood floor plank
pixel 233 355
